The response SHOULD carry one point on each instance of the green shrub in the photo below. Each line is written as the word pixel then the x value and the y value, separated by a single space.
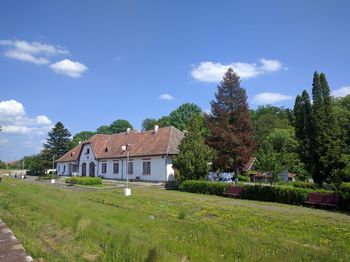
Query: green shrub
pixel 204 187
pixel 47 177
pixel 84 180
pixel 344 196
pixel 302 184
pixel 244 179
pixel 286 195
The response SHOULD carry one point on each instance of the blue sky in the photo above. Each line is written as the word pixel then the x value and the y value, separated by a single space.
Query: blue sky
pixel 88 63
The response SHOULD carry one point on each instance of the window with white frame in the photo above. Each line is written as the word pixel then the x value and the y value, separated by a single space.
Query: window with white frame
pixel 146 167
pixel 104 168
pixel 64 168
pixel 75 168
pixel 130 168
pixel 116 168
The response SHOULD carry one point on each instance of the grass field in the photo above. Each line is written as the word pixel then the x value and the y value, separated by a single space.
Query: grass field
pixel 157 225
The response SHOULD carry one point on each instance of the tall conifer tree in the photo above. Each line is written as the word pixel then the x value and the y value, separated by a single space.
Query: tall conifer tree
pixel 58 143
pixel 318 133
pixel 230 127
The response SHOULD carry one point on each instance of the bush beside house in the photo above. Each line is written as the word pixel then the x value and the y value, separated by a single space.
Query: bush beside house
pixel 84 180
pixel 279 194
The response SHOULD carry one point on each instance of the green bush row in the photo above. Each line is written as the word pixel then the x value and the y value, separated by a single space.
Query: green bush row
pixel 204 187
pixel 84 180
pixel 244 179
pixel 280 194
pixel 301 184
pixel 286 195
pixel 344 193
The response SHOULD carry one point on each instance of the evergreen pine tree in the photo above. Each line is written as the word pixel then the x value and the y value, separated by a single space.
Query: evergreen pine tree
pixel 318 133
pixel 230 127
pixel 58 143
pixel 304 131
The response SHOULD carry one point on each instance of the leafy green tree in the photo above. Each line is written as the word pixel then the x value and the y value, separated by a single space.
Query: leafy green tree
pixel 230 127
pixel 267 118
pixel 268 161
pixel 193 160
pixel 278 152
pixel 2 165
pixel 164 121
pixel 36 165
pixel 104 130
pixel 181 117
pixel 119 126
pixel 82 136
pixel 149 123
pixel 58 143
pixel 342 114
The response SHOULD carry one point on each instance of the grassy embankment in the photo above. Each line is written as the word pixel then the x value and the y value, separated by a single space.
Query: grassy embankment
pixel 159 225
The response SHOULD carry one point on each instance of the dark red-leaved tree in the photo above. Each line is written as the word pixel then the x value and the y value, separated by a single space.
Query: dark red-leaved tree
pixel 230 127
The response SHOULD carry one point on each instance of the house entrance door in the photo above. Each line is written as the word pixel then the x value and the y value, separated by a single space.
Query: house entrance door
pixel 83 169
pixel 92 169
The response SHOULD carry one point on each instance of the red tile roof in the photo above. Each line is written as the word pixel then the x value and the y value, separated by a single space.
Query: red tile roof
pixel 165 141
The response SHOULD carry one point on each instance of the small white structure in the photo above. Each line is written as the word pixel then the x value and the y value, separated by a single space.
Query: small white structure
pixel 150 156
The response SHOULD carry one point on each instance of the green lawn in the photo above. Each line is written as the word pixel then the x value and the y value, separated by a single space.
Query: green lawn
pixel 157 225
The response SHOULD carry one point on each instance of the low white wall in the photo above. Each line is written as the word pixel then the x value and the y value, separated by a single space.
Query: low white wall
pixel 160 170
pixel 161 167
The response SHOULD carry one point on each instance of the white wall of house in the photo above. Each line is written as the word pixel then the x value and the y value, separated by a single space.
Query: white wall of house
pixel 161 169
pixel 65 168
pixel 87 156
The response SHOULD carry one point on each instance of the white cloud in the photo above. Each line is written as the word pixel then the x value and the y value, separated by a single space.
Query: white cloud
pixel 69 68
pixel 269 98
pixel 341 92
pixel 11 108
pixel 14 119
pixel 21 134
pixel 4 141
pixel 34 52
pixel 43 120
pixel 166 97
pixel 213 72
pixel 11 129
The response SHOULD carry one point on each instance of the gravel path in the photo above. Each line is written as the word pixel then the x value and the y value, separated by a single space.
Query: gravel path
pixel 11 249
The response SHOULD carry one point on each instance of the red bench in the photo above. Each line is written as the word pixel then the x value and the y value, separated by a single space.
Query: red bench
pixel 233 191
pixel 322 199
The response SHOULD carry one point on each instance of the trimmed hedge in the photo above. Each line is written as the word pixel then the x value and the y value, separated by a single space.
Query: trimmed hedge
pixel 302 184
pixel 279 194
pixel 204 187
pixel 84 180
pixel 243 179
pixel 286 195
pixel 344 196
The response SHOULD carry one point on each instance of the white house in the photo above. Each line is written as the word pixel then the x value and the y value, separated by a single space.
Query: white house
pixel 150 155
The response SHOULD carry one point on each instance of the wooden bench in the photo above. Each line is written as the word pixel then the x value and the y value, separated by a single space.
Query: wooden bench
pixel 322 199
pixel 233 191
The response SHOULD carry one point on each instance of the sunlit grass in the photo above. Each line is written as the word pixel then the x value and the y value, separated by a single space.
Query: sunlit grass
pixel 160 225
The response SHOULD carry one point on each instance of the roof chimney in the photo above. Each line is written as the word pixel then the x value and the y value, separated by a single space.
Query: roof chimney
pixel 156 127
pixel 128 130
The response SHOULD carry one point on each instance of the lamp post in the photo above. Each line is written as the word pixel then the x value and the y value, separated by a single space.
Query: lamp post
pixel 53 172
pixel 127 190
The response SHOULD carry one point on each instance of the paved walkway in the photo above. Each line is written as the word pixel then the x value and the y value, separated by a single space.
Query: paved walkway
pixel 11 249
